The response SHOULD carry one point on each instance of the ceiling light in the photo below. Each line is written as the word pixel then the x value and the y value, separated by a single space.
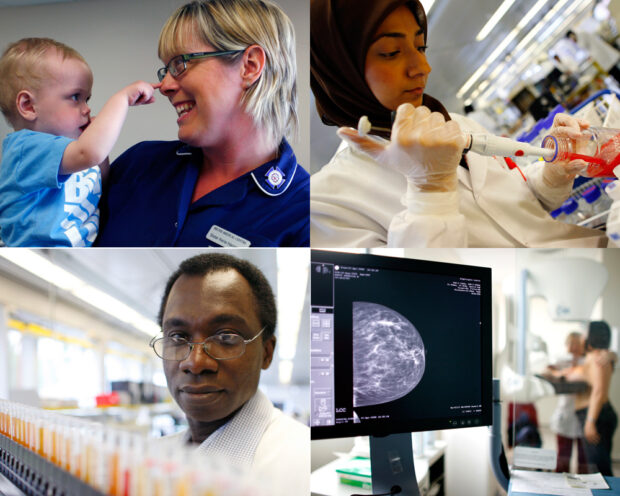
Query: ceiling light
pixel 293 267
pixel 64 280
pixel 501 47
pixel 517 64
pixel 41 267
pixel 285 371
pixel 495 18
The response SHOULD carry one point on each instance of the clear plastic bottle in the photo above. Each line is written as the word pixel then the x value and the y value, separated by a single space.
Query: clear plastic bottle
pixel 571 212
pixel 593 206
pixel 613 221
pixel 599 147
pixel 589 200
pixel 611 183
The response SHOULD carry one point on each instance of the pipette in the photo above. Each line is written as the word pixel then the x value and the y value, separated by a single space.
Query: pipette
pixel 483 144
pixel 489 145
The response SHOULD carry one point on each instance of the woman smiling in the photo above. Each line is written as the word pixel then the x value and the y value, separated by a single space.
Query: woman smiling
pixel 232 179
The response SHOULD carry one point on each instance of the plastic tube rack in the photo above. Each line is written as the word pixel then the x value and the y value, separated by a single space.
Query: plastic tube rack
pixel 35 476
pixel 48 454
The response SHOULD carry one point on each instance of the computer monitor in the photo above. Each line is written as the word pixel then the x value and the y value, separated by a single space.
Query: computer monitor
pixel 397 346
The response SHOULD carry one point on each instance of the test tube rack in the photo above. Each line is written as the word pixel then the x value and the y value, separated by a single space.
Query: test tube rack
pixel 36 476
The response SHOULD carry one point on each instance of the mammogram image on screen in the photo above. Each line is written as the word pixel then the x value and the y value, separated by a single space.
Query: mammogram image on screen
pixel 388 354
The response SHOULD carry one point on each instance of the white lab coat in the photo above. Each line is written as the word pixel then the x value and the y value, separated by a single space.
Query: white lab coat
pixel 357 202
pixel 602 52
pixel 282 459
pixel 281 464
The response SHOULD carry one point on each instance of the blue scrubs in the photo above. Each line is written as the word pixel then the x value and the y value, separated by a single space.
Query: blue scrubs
pixel 147 201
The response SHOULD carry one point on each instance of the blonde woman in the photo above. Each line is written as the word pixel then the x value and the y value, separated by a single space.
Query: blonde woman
pixel 232 179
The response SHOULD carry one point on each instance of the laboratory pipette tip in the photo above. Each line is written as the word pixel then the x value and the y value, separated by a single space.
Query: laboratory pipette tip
pixel 481 143
pixel 489 145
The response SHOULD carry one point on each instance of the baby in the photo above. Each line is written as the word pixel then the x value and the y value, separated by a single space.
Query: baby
pixel 52 165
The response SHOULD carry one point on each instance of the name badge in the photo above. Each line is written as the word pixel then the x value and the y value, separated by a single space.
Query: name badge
pixel 226 238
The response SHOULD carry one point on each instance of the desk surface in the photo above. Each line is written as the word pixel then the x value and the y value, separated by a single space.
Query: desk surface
pixel 325 481
pixel 613 482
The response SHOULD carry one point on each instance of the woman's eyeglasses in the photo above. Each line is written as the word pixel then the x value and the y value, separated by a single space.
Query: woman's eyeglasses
pixel 178 64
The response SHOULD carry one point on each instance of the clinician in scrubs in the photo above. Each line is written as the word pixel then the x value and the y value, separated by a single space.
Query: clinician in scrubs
pixel 232 179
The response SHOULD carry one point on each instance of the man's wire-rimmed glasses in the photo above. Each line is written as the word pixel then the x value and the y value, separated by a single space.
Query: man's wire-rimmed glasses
pixel 178 64
pixel 225 345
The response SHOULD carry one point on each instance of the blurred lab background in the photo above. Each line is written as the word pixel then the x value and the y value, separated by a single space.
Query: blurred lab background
pixel 118 39
pixel 75 327
pixel 510 66
pixel 539 297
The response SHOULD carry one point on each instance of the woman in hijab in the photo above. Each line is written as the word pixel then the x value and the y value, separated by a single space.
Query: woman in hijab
pixel 368 58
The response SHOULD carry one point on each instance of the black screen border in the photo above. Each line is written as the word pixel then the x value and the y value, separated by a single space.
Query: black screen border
pixel 426 267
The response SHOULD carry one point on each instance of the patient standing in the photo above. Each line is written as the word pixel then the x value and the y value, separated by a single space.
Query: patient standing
pixel 594 411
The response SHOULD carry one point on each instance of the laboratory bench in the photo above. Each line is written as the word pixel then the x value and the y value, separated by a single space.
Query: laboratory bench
pixel 429 470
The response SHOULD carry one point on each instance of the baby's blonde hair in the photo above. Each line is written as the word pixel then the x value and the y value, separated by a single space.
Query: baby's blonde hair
pixel 22 68
pixel 235 25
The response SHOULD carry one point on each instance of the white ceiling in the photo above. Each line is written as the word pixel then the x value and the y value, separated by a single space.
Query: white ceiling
pixel 454 53
pixel 137 277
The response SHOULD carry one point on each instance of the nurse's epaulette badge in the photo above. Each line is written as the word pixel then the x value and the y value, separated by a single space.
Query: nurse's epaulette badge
pixel 275 178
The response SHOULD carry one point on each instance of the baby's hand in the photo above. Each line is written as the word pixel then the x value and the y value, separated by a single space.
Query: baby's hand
pixel 140 93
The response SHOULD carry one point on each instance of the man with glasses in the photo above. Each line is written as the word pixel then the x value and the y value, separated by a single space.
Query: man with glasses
pixel 218 316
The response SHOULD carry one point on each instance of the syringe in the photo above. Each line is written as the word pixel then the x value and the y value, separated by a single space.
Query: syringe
pixel 484 144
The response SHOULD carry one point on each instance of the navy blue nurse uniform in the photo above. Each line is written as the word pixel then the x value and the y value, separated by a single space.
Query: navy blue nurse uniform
pixel 147 201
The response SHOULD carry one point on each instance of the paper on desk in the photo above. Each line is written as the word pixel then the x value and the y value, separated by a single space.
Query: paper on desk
pixel 534 458
pixel 526 481
pixel 591 481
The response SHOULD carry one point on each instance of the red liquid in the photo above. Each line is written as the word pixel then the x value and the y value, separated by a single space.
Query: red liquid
pixel 605 162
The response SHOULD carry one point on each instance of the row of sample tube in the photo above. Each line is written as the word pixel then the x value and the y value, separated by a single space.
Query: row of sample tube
pixel 116 462
pixel 589 207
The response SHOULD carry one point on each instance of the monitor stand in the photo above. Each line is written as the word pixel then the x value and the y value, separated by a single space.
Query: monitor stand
pixel 391 464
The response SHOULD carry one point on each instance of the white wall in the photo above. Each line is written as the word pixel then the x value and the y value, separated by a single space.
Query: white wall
pixel 118 38
pixel 468 469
